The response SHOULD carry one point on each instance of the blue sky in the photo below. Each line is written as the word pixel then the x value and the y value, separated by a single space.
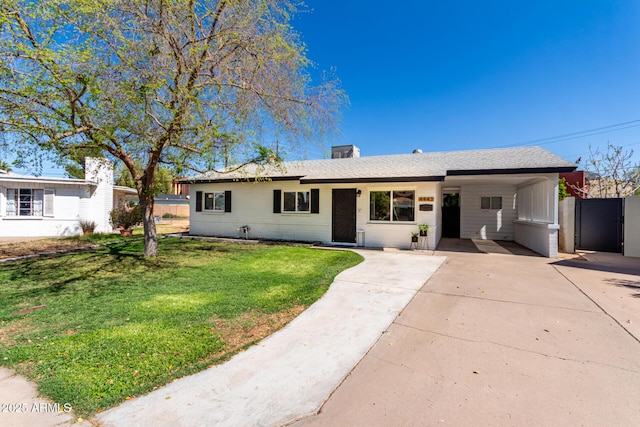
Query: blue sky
pixel 464 75
pixel 441 76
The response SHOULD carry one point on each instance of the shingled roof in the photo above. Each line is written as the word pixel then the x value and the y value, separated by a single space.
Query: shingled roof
pixel 404 167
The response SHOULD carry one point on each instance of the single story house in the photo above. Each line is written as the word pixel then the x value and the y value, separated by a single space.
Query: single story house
pixel 42 206
pixel 378 201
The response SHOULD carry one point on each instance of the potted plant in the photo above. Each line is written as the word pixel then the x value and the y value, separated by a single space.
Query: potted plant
pixel 87 226
pixel 414 237
pixel 424 229
pixel 125 217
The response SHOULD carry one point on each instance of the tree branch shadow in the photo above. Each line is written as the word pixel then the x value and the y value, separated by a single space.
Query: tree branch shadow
pixel 634 285
pixel 59 273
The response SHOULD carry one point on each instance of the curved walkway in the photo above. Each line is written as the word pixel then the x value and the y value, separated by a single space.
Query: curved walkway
pixel 292 372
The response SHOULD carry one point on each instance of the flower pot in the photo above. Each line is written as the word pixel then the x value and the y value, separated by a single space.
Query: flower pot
pixel 423 233
pixel 414 239
pixel 86 232
pixel 126 232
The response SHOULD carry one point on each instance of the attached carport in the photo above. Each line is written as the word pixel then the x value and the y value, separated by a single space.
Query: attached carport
pixel 505 205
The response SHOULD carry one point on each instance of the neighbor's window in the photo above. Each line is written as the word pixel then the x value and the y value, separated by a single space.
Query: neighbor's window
pixel 214 201
pixel 392 205
pixel 29 202
pixel 494 202
pixel 296 201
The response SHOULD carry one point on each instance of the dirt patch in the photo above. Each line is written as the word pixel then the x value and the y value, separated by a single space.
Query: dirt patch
pixel 27 310
pixel 13 250
pixel 33 247
pixel 251 327
pixel 7 332
pixel 172 225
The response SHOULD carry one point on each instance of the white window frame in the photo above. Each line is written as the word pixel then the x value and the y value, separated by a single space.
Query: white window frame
pixel 215 195
pixel 297 200
pixel 40 202
pixel 494 203
pixel 391 212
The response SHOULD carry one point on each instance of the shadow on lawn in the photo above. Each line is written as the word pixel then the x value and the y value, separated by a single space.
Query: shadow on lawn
pixel 56 273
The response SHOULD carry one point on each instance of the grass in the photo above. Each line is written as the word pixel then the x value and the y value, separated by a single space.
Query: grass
pixel 116 325
pixel 11 250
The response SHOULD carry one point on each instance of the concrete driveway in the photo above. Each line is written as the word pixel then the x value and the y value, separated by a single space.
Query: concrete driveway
pixel 501 337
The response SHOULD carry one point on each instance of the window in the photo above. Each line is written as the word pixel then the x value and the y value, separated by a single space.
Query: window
pixel 494 202
pixel 29 202
pixel 214 201
pixel 392 205
pixel 296 201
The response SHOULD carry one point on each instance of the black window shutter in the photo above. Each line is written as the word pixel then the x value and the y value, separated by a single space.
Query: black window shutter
pixel 315 200
pixel 198 201
pixel 227 201
pixel 277 197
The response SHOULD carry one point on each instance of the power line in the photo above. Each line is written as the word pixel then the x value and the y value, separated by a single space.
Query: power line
pixel 579 134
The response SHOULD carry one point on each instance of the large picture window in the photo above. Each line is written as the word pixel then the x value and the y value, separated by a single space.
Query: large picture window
pixel 296 201
pixel 392 206
pixel 29 202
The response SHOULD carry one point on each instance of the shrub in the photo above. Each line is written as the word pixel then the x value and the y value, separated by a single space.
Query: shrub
pixel 126 216
pixel 87 226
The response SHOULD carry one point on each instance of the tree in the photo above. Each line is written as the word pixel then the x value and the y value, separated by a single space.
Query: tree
pixel 562 189
pixel 176 82
pixel 5 166
pixel 616 174
pixel 163 183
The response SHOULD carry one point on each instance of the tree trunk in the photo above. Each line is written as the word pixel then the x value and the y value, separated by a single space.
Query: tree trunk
pixel 150 235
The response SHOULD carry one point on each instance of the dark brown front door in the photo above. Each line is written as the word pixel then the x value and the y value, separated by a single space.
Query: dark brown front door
pixel 344 215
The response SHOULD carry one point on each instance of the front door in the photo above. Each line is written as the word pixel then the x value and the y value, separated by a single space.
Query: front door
pixel 343 228
pixel 451 215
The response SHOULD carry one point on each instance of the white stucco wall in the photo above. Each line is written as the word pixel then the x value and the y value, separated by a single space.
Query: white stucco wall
pixel 632 226
pixel 252 205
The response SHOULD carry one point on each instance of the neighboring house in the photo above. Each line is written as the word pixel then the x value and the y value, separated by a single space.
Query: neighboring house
pixel 498 194
pixel 174 204
pixel 180 187
pixel 41 206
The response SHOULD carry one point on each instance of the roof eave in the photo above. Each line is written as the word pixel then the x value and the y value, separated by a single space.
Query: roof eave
pixel 511 171
pixel 226 180
pixel 371 179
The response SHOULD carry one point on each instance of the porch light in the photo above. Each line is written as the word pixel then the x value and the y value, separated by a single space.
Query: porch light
pixel 358 192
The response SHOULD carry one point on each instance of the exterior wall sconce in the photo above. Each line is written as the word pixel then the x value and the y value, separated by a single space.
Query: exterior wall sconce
pixel 358 193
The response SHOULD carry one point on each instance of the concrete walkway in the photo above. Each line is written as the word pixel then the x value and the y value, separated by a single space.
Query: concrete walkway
pixel 502 337
pixel 291 373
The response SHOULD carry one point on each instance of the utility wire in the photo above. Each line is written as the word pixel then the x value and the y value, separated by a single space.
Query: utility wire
pixel 579 134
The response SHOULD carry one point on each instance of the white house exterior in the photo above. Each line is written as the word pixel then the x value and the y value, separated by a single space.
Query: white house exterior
pixel 41 206
pixel 378 201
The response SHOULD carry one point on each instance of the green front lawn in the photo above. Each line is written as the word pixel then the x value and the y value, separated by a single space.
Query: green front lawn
pixel 116 325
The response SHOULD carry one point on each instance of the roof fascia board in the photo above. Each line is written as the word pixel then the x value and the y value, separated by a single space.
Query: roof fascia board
pixel 367 180
pixel 35 180
pixel 226 180
pixel 515 171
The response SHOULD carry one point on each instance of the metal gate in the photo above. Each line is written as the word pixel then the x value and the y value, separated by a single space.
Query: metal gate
pixel 599 224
